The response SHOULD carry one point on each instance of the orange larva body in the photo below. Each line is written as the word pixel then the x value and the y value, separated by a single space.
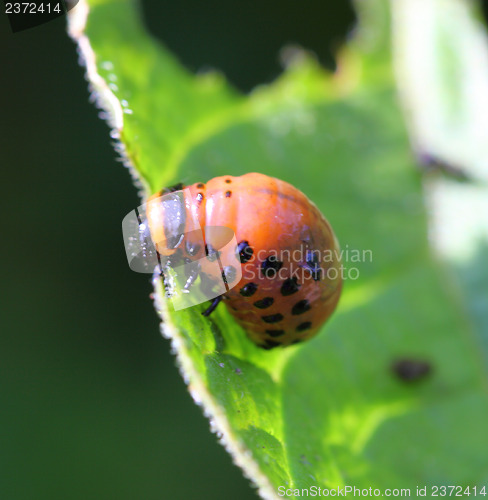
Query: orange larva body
pixel 290 280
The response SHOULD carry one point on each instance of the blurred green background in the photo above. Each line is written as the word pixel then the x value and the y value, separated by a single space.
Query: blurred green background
pixel 92 405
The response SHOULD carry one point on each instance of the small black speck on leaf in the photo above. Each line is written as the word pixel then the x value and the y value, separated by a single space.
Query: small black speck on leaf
pixel 411 370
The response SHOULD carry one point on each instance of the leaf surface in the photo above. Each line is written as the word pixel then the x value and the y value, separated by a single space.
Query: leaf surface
pixel 330 412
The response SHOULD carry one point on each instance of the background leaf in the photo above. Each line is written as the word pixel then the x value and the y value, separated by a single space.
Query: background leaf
pixel 444 91
pixel 329 412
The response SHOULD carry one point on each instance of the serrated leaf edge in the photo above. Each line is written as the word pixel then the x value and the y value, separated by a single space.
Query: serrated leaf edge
pixel 100 93
pixel 112 113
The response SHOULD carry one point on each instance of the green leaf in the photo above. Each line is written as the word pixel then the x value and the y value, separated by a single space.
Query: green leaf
pixel 442 68
pixel 330 412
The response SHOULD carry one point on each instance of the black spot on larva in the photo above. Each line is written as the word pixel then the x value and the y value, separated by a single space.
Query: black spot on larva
pixel 272 318
pixel 211 253
pixel 171 189
pixel 228 181
pixel 248 290
pixel 300 307
pixel 192 248
pixel 200 197
pixel 229 274
pixel 289 287
pixel 270 344
pixel 270 266
pixel 228 194
pixel 306 325
pixel 275 333
pixel 264 303
pixel 296 341
pixel 313 264
pixel 200 185
pixel 410 370
pixel 245 251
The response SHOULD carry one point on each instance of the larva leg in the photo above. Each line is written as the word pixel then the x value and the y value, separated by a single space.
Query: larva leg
pixel 212 307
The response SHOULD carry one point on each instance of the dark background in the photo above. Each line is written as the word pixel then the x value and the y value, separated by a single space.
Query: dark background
pixel 92 405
